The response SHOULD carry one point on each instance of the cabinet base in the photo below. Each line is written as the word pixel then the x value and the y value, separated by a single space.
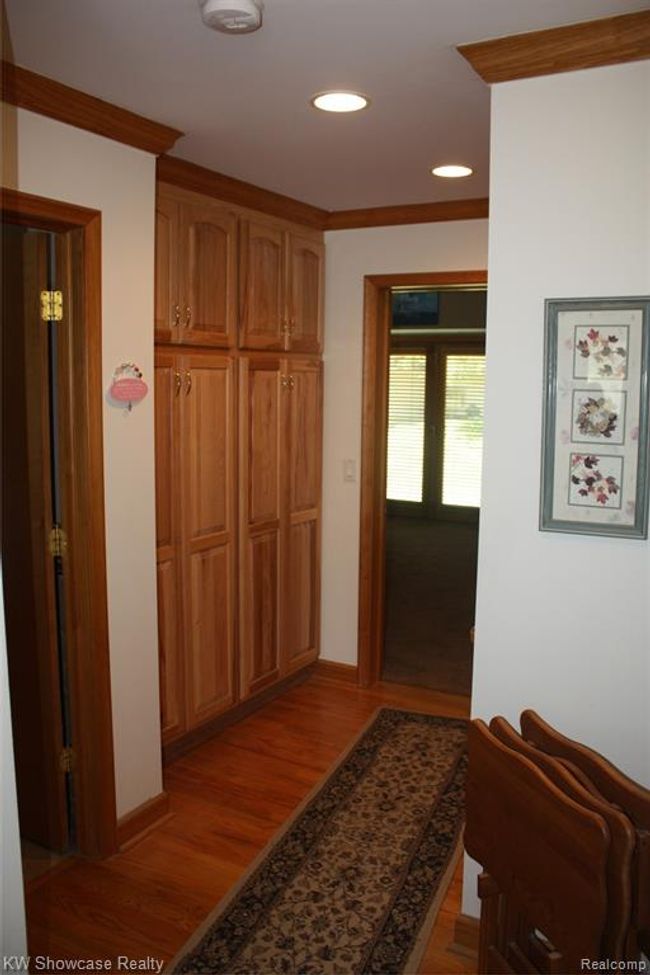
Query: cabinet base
pixel 197 736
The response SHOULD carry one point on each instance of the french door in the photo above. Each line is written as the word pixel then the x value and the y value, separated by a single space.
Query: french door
pixel 435 431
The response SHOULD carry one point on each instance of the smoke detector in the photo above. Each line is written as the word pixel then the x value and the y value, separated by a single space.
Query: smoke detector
pixel 232 16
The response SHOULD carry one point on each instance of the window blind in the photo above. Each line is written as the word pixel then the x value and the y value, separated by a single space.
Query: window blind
pixel 406 394
pixel 463 430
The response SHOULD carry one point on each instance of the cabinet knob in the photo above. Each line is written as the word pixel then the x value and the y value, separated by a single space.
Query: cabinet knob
pixel 176 311
pixel 188 317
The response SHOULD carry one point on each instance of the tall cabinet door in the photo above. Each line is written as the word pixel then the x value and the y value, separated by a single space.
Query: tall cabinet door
pixel 305 293
pixel 208 270
pixel 208 452
pixel 167 316
pixel 172 680
pixel 301 595
pixel 262 321
pixel 260 505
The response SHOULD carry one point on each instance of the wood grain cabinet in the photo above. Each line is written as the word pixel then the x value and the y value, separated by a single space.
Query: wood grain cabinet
pixel 280 288
pixel 280 479
pixel 195 499
pixel 196 270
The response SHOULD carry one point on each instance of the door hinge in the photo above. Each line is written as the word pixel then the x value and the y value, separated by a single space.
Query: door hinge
pixel 58 541
pixel 51 306
pixel 67 760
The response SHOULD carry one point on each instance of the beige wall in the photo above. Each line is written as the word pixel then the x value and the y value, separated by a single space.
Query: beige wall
pixel 68 164
pixel 351 254
pixel 563 620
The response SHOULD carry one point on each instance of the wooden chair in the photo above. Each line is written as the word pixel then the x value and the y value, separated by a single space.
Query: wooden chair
pixel 618 871
pixel 630 798
pixel 545 856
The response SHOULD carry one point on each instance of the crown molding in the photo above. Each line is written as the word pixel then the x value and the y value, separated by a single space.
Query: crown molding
pixel 592 44
pixel 408 213
pixel 188 175
pixel 42 95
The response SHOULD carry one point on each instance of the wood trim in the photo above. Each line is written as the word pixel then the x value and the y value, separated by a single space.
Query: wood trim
pixel 88 650
pixel 35 92
pixel 135 824
pixel 466 936
pixel 188 175
pixel 334 670
pixel 374 424
pixel 409 213
pixel 591 44
pixel 198 736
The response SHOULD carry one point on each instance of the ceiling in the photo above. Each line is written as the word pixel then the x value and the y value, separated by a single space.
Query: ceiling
pixel 243 100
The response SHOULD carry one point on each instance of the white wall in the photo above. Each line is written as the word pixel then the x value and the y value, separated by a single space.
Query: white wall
pixel 64 163
pixel 351 254
pixel 563 621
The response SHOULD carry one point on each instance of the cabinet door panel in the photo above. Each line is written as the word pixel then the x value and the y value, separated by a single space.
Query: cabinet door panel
pixel 302 615
pixel 260 521
pixel 208 500
pixel 301 598
pixel 166 292
pixel 168 546
pixel 172 683
pixel 209 242
pixel 304 436
pixel 262 286
pixel 210 633
pixel 306 264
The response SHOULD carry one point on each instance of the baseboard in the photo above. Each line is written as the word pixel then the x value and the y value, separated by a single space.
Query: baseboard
pixel 466 932
pixel 136 824
pixel 180 746
pixel 337 671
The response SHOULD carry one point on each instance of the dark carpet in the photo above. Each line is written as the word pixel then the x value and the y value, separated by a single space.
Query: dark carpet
pixel 430 596
pixel 354 881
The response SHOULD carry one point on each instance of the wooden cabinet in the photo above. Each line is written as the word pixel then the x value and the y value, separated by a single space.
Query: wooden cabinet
pixel 195 496
pixel 238 454
pixel 196 270
pixel 280 475
pixel 280 288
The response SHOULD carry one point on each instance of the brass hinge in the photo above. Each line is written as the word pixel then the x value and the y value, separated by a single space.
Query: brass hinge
pixel 51 306
pixel 58 541
pixel 67 760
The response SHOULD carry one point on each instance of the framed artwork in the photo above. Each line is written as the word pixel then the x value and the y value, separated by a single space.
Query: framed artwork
pixel 595 452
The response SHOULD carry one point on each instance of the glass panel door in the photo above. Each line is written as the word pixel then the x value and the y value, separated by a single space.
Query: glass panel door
pixel 406 427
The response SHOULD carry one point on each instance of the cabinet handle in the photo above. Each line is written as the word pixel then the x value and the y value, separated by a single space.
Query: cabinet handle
pixel 292 382
pixel 178 380
pixel 177 315
pixel 287 382
pixel 188 382
pixel 188 317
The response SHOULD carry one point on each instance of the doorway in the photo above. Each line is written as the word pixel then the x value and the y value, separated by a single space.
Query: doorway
pixel 378 321
pixel 53 551
pixel 436 379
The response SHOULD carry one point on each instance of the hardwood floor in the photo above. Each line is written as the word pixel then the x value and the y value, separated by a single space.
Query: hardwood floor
pixel 228 797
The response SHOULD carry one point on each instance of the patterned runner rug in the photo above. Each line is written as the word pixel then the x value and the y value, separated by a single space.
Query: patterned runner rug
pixel 354 880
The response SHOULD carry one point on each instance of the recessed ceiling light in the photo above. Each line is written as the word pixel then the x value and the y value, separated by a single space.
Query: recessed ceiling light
pixel 340 101
pixel 452 171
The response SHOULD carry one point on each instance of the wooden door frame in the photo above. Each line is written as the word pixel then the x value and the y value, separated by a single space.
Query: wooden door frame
pixel 87 631
pixel 374 433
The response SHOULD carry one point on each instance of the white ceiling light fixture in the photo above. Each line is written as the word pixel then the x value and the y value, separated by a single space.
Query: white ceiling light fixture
pixel 340 101
pixel 232 16
pixel 452 171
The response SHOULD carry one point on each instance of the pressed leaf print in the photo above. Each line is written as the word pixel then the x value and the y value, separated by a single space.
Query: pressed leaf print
pixel 601 353
pixel 596 480
pixel 598 416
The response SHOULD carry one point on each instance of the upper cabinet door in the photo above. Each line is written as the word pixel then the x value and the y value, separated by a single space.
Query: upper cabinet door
pixel 305 264
pixel 262 299
pixel 208 273
pixel 167 300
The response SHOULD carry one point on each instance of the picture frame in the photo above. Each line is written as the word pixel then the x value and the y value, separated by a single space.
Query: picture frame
pixel 595 452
